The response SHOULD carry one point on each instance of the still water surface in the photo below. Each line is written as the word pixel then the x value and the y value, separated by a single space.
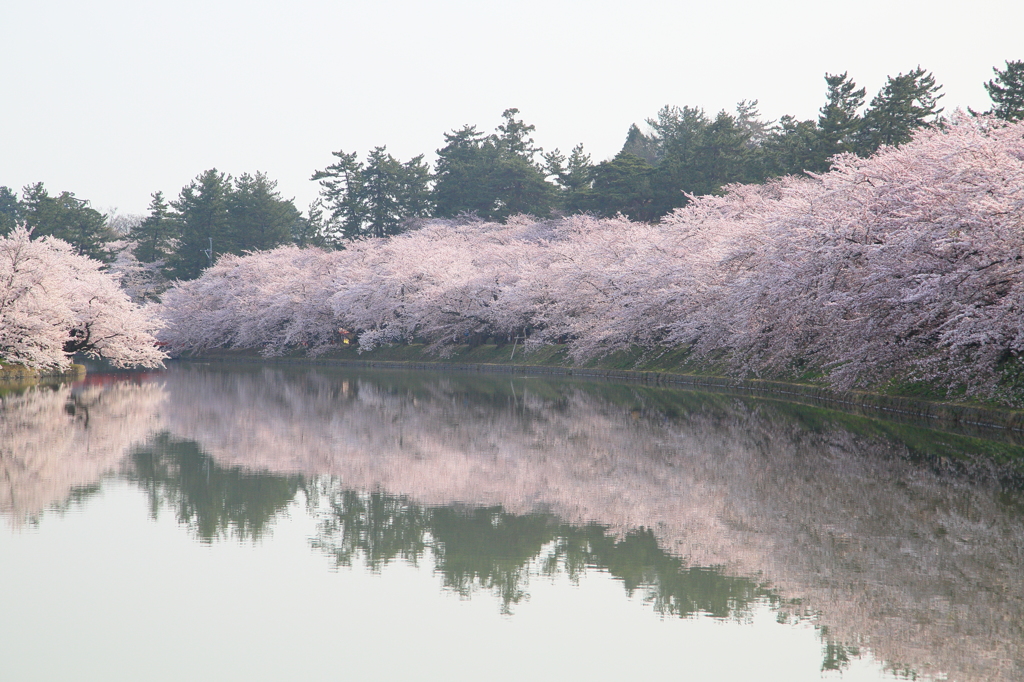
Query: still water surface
pixel 254 523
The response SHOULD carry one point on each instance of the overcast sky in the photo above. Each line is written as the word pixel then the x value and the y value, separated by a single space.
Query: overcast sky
pixel 115 100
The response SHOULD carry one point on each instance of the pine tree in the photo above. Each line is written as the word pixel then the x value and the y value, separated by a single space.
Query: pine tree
pixel 393 193
pixel 259 218
pixel 202 209
pixel 416 198
pixel 907 102
pixel 66 217
pixel 1007 92
pixel 698 155
pixel 157 234
pixel 624 185
pixel 641 146
pixel 340 191
pixel 462 174
pixel 839 121
pixel 517 181
pixel 492 176
pixel 375 199
pixel 793 147
pixel 10 210
pixel 575 177
pixel 313 230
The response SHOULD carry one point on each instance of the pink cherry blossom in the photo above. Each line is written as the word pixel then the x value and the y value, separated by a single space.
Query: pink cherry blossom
pixel 51 297
pixel 906 264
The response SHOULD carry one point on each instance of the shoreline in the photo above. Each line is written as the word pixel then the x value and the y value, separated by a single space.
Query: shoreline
pixel 967 417
pixel 19 376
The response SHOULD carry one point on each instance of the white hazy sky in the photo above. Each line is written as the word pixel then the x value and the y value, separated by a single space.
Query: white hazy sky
pixel 114 100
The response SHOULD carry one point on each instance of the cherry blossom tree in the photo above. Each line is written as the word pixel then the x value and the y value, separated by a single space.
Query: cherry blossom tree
pixel 55 303
pixel 907 264
pixel 269 300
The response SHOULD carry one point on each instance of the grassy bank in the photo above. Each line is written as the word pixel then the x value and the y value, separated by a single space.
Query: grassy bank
pixel 18 376
pixel 672 368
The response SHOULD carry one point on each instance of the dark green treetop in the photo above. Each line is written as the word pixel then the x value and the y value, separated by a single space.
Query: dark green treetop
pixel 341 186
pixel 641 146
pixel 907 102
pixel 375 199
pixel 156 235
pixel 10 210
pixel 393 192
pixel 312 230
pixel 66 217
pixel 493 176
pixel 574 176
pixel 260 218
pixel 1007 91
pixel 462 174
pixel 623 185
pixel 793 147
pixel 699 154
pixel 839 121
pixel 202 209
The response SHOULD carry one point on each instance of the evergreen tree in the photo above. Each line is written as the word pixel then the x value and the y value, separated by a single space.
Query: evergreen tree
pixel 792 148
pixel 682 136
pixel 519 182
pixel 157 234
pixel 66 217
pixel 513 137
pixel 392 193
pixel 755 132
pixel 574 176
pixel 259 218
pixel 10 210
pixel 698 155
pixel 748 120
pixel 341 191
pixel 624 185
pixel 381 193
pixel 1007 92
pixel 313 230
pixel 202 210
pixel 376 199
pixel 839 121
pixel 492 176
pixel 462 173
pixel 414 184
pixel 907 102
pixel 641 146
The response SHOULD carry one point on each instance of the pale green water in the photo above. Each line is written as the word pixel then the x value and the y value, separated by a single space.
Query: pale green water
pixel 252 523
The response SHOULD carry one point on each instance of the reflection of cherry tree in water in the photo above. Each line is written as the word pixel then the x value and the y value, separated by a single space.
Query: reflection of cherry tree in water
pixel 56 439
pixel 871 532
pixel 555 477
pixel 472 548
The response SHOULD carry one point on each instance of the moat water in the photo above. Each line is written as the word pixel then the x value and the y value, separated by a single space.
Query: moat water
pixel 256 522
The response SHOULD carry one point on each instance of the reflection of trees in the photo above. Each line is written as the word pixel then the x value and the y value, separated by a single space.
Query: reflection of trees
pixel 489 549
pixel 486 548
pixel 666 581
pixel 213 501
pixel 836 511
pixel 57 442
pixel 372 527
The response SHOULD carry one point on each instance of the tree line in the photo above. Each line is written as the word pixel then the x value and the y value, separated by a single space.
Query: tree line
pixel 904 266
pixel 680 153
